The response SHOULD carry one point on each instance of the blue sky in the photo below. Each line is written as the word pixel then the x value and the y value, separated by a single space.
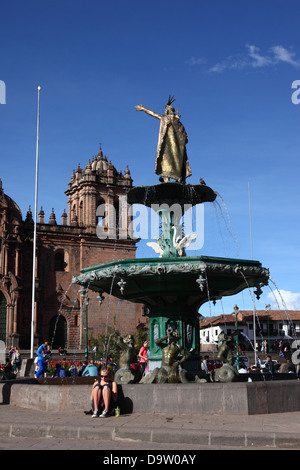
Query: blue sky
pixel 230 65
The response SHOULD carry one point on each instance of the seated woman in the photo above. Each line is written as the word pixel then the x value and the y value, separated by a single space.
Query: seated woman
pixel 104 393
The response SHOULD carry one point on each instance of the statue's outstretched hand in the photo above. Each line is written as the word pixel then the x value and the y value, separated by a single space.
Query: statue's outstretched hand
pixel 139 107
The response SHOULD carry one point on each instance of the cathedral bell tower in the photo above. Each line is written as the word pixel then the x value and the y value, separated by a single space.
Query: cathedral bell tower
pixel 95 194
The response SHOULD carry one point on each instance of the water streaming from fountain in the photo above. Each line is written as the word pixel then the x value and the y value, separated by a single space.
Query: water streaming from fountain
pixel 209 304
pixel 248 339
pixel 221 206
pixel 288 318
pixel 108 311
pixel 253 300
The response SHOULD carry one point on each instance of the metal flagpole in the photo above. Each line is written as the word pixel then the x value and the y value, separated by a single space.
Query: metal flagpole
pixel 35 222
pixel 254 309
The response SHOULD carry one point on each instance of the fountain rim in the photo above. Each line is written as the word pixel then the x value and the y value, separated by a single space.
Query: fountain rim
pixel 127 276
pixel 171 193
pixel 211 260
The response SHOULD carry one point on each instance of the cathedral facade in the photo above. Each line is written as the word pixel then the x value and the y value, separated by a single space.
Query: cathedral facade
pixel 91 233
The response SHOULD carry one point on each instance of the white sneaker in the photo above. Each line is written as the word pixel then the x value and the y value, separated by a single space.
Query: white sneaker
pixel 104 414
pixel 95 414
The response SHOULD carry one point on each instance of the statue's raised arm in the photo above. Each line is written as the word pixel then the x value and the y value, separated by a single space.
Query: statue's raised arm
pixel 171 156
pixel 140 107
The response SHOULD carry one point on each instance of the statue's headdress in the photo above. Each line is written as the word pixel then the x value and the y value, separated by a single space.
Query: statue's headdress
pixel 169 108
pixel 170 100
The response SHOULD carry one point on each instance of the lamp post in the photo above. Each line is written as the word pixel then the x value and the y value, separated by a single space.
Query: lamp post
pixel 86 352
pixel 268 308
pixel 85 303
pixel 236 311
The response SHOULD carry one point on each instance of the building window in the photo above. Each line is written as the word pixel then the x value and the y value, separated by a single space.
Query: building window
pixel 81 221
pixel 59 261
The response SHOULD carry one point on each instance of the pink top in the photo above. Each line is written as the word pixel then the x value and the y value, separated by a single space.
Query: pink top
pixel 143 353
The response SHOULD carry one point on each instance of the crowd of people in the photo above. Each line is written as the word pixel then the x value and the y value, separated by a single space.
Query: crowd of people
pixel 91 368
pixel 44 366
pixel 266 366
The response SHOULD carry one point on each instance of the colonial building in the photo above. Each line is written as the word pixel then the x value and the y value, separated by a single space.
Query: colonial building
pixel 89 234
pixel 270 326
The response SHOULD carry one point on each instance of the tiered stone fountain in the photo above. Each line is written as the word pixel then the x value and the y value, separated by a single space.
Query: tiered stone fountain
pixel 173 286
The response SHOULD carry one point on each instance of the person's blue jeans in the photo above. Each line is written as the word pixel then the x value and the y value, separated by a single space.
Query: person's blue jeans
pixel 42 367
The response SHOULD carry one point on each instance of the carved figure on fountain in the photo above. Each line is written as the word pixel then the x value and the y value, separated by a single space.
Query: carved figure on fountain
pixel 169 372
pixel 126 374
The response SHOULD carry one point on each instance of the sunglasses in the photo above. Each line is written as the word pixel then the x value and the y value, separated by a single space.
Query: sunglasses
pixel 104 376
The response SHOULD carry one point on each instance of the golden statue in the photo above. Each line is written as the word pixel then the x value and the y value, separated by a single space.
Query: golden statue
pixel 171 157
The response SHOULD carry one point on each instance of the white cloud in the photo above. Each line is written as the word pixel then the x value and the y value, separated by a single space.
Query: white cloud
pixel 232 62
pixel 195 61
pixel 283 55
pixel 255 59
pixel 283 299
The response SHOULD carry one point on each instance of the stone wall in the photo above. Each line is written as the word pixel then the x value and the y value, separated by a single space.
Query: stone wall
pixel 192 398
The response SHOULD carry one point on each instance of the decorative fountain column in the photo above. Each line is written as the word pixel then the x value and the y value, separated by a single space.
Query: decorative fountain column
pixel 173 286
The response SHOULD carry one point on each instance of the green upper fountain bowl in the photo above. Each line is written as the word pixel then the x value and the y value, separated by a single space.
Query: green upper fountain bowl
pixel 187 282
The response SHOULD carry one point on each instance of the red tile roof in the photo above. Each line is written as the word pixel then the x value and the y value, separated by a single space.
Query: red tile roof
pixel 247 316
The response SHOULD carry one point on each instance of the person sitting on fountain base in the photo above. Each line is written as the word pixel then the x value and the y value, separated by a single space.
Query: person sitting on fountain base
pixel 91 370
pixel 59 371
pixel 104 393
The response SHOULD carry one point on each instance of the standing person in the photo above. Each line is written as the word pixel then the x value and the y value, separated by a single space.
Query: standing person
pixel 269 365
pixel 258 362
pixel 204 365
pixel 104 393
pixel 142 355
pixel 281 349
pixel 41 359
pixel 95 351
pixel 18 360
pixel 11 353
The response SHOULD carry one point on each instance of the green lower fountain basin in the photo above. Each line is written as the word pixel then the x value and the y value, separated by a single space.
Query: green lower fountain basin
pixel 186 280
